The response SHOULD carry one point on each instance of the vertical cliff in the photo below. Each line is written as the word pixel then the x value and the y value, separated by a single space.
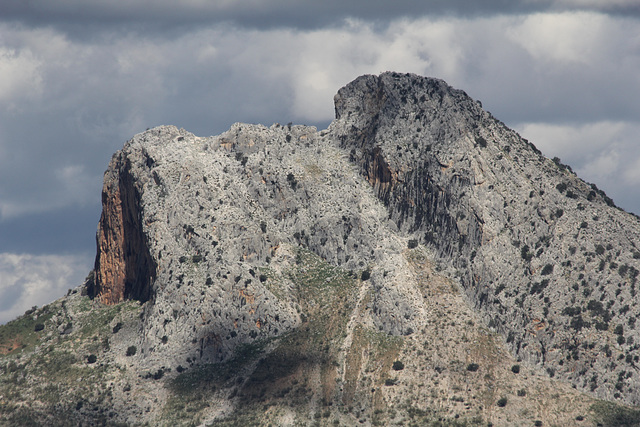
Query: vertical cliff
pixel 124 268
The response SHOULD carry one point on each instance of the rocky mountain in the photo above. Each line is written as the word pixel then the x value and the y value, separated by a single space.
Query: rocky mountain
pixel 415 263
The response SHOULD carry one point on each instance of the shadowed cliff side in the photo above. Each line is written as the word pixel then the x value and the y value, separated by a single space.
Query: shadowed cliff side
pixel 124 268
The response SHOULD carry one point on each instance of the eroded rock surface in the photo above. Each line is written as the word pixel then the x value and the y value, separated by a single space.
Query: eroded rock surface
pixel 288 268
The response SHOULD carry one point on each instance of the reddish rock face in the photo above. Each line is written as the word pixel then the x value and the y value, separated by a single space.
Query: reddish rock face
pixel 110 259
pixel 124 268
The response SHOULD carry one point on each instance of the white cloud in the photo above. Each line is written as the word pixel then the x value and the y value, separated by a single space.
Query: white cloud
pixel 572 37
pixel 28 280
pixel 20 77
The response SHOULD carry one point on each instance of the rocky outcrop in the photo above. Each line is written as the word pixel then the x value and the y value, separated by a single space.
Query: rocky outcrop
pixel 206 231
pixel 546 258
pixel 123 267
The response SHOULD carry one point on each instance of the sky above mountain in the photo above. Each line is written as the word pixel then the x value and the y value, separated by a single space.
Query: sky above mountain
pixel 78 79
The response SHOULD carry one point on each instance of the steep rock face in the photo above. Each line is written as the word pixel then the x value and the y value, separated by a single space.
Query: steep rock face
pixel 215 235
pixel 217 217
pixel 543 255
pixel 124 267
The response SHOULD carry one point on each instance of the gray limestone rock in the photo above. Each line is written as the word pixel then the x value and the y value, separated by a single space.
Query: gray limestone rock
pixel 543 256
pixel 282 271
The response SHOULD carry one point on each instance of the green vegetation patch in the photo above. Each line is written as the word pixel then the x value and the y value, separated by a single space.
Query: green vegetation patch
pixel 610 414
pixel 22 333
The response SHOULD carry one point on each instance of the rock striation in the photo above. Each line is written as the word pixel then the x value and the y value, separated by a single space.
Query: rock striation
pixel 545 257
pixel 416 262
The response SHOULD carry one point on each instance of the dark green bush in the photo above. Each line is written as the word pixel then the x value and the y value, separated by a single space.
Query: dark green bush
pixel 412 243
pixel 547 269
pixel 398 365
pixel 132 350
pixel 502 402
pixel 515 369
pixel 292 181
pixel 117 327
pixel 38 327
pixel 92 358
pixel 472 367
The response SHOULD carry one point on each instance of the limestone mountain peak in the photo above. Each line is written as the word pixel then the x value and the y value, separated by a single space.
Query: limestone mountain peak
pixel 284 274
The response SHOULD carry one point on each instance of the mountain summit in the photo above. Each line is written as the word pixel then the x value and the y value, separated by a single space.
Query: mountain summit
pixel 415 262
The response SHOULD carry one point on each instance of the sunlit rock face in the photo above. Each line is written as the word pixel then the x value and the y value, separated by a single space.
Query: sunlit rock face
pixel 198 227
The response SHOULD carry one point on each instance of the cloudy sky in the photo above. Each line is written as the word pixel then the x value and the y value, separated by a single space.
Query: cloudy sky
pixel 79 78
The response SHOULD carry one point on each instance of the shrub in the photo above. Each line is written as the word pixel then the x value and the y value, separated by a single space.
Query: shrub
pixel 481 141
pixel 547 269
pixel 472 367
pixel 292 181
pixel 117 327
pixel 132 350
pixel 412 243
pixel 577 323
pixel 538 423
pixel 389 382
pixel 92 358
pixel 599 249
pixel 38 327
pixel 366 274
pixel 515 369
pixel 522 392
pixel 502 402
pixel 398 365
pixel 561 187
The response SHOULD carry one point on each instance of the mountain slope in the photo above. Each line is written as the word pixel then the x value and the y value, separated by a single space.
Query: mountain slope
pixel 415 262
pixel 542 255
